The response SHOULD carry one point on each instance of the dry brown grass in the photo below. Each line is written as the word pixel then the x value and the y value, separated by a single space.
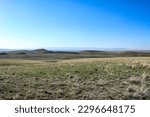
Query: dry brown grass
pixel 99 78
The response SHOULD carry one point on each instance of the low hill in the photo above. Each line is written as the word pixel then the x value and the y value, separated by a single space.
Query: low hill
pixel 132 53
pixel 54 55
pixel 41 51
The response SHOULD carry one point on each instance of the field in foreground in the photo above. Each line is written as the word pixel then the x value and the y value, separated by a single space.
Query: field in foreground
pixel 95 78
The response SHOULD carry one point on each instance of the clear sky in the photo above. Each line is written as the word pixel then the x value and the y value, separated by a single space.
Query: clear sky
pixel 75 23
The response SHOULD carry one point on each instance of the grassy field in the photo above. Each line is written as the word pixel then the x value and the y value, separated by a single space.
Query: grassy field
pixel 92 78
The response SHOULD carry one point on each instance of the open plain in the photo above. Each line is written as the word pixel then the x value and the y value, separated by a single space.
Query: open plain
pixel 81 78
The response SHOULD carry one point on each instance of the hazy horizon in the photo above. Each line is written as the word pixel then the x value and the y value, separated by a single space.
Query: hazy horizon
pixel 75 24
pixel 74 49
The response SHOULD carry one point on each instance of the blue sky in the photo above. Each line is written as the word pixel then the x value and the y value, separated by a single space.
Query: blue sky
pixel 75 23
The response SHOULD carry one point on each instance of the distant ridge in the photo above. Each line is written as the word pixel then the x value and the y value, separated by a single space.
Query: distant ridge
pixel 83 48
pixel 62 54
pixel 67 49
pixel 42 51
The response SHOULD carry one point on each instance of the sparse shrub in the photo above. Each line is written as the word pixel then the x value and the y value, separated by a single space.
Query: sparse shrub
pixel 101 82
pixel 147 93
pixel 132 89
pixel 68 75
pixel 147 78
pixel 135 80
pixel 131 92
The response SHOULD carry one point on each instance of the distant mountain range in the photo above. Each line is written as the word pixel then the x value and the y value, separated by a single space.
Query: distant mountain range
pixel 69 49
pixel 81 48
pixel 76 49
pixel 52 54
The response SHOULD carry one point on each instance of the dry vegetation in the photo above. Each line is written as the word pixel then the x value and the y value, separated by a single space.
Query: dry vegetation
pixel 96 78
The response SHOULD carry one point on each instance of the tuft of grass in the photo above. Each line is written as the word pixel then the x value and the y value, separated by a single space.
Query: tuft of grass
pixel 135 80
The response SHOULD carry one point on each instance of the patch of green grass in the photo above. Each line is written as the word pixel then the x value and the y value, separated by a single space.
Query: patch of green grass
pixel 111 78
